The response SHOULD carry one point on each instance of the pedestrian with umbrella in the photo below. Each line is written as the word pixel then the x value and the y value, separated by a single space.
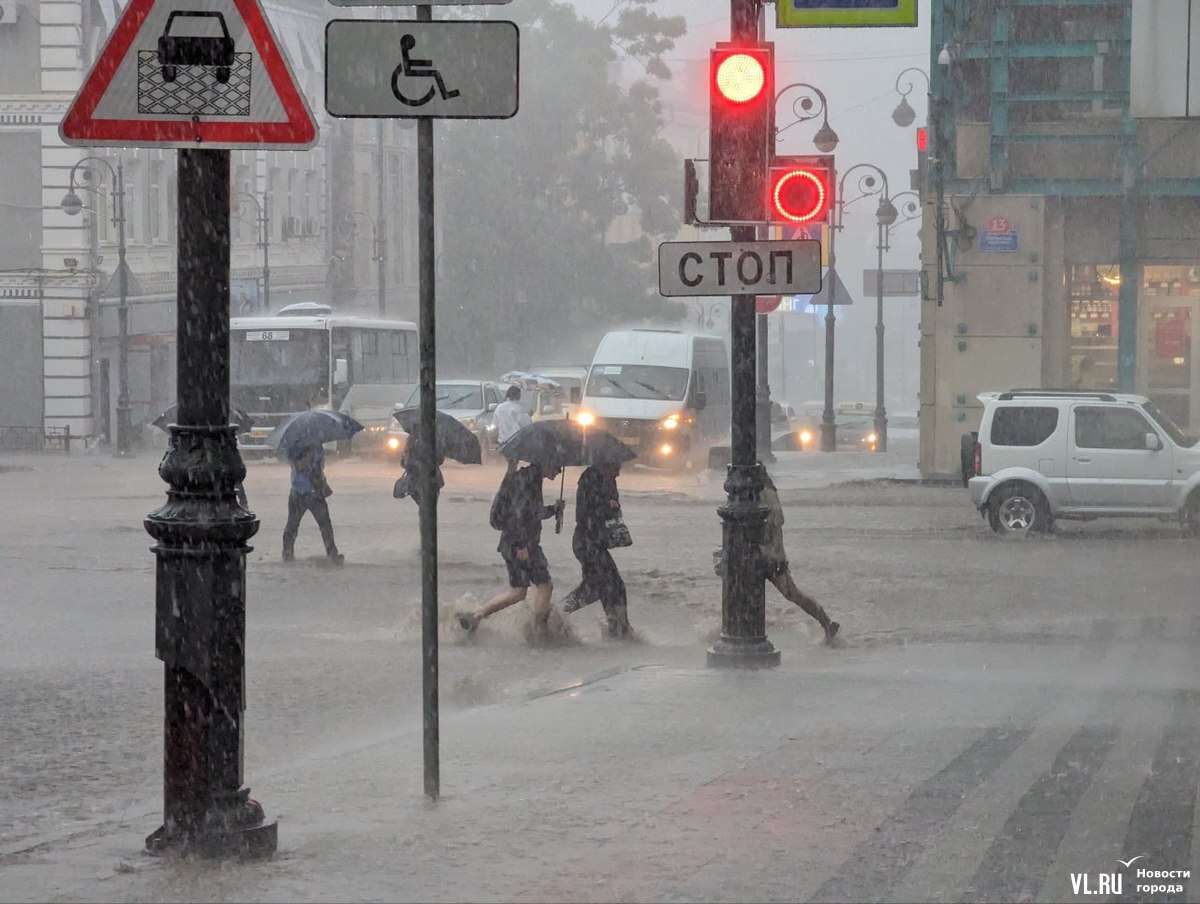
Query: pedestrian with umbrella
pixel 301 438
pixel 240 419
pixel 453 440
pixel 518 509
pixel 599 528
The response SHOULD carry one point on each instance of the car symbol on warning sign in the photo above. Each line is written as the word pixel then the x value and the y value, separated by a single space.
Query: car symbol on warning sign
pixel 195 50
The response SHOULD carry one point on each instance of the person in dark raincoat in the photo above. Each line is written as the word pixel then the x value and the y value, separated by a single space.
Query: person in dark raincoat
pixel 308 494
pixel 518 512
pixel 409 483
pixel 596 500
pixel 775 561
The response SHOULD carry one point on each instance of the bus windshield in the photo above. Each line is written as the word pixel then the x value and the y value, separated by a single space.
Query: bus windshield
pixel 452 396
pixel 637 381
pixel 279 370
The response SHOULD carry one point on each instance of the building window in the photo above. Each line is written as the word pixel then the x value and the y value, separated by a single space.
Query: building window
pixel 1093 298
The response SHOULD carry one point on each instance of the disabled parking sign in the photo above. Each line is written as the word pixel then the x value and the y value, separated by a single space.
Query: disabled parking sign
pixel 190 73
pixel 410 70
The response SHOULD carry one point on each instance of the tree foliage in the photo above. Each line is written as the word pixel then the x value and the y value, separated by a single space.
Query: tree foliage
pixel 537 256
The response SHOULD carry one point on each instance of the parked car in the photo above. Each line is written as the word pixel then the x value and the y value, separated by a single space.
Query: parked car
pixel 472 402
pixel 1043 454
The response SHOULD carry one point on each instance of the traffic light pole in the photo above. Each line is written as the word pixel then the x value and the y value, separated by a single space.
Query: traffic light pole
pixel 743 642
pixel 763 398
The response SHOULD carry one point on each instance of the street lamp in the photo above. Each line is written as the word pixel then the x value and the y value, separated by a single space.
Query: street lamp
pixel 904 115
pixel 72 205
pixel 262 221
pixel 808 105
pixel 866 188
pixel 825 139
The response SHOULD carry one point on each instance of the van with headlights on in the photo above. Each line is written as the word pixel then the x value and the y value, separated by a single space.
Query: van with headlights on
pixel 663 392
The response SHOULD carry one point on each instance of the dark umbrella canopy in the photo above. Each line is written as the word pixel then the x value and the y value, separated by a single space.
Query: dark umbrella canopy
pixel 314 427
pixel 243 421
pixel 453 439
pixel 564 444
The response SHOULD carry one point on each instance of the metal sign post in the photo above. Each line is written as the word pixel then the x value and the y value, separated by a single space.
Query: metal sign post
pixel 427 342
pixel 424 70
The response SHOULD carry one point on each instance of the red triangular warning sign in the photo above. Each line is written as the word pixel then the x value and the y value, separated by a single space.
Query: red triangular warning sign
pixel 190 73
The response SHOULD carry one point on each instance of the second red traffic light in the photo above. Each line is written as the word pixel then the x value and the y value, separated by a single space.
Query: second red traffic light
pixel 800 190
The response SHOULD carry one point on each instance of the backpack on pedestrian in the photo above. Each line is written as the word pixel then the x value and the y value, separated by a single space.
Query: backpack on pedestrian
pixel 501 511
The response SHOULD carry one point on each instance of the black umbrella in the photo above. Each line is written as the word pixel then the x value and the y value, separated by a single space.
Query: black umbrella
pixel 243 421
pixel 314 427
pixel 564 443
pixel 454 440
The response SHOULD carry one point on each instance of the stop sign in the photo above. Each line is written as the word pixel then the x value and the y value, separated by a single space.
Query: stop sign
pixel 765 304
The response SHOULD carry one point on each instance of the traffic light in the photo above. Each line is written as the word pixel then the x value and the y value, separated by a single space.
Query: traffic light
pixel 800 190
pixel 741 129
pixel 921 176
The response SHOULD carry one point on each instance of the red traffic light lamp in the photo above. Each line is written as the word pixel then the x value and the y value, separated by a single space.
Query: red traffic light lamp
pixel 739 76
pixel 741 129
pixel 800 190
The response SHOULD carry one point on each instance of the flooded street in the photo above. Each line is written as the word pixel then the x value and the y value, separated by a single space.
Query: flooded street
pixel 1047 680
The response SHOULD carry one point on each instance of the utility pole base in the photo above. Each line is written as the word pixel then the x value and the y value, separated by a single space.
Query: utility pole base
pixel 237 832
pixel 733 654
pixel 828 436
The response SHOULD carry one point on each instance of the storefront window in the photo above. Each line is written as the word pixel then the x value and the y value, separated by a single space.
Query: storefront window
pixel 1094 291
pixel 1165 346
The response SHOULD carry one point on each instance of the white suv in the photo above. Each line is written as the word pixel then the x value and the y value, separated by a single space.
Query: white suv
pixel 1043 454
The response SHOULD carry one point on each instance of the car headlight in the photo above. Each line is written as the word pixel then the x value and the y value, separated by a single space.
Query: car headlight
pixel 871 438
pixel 393 442
pixel 670 422
pixel 665 449
pixel 805 437
pixel 585 418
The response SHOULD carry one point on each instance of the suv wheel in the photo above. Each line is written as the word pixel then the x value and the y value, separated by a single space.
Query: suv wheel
pixel 1191 515
pixel 1018 509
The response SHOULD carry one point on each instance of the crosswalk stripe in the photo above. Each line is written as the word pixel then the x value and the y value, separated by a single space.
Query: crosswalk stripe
pixel 1163 816
pixel 881 859
pixel 1020 855
pixel 1096 837
pixel 956 860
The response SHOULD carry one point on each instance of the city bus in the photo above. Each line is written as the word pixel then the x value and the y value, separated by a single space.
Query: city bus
pixel 362 366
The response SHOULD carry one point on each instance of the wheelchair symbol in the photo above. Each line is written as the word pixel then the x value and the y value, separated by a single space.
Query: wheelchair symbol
pixel 410 68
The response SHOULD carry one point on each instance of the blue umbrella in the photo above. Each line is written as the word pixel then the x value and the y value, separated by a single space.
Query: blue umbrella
pixel 314 427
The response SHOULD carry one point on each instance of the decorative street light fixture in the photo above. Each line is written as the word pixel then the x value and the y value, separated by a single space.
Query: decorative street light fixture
pixel 866 187
pixel 825 139
pixel 72 205
pixel 904 115
pixel 808 105
pixel 263 223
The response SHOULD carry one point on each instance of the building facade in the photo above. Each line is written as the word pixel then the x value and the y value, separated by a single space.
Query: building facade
pixel 304 225
pixel 1059 239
